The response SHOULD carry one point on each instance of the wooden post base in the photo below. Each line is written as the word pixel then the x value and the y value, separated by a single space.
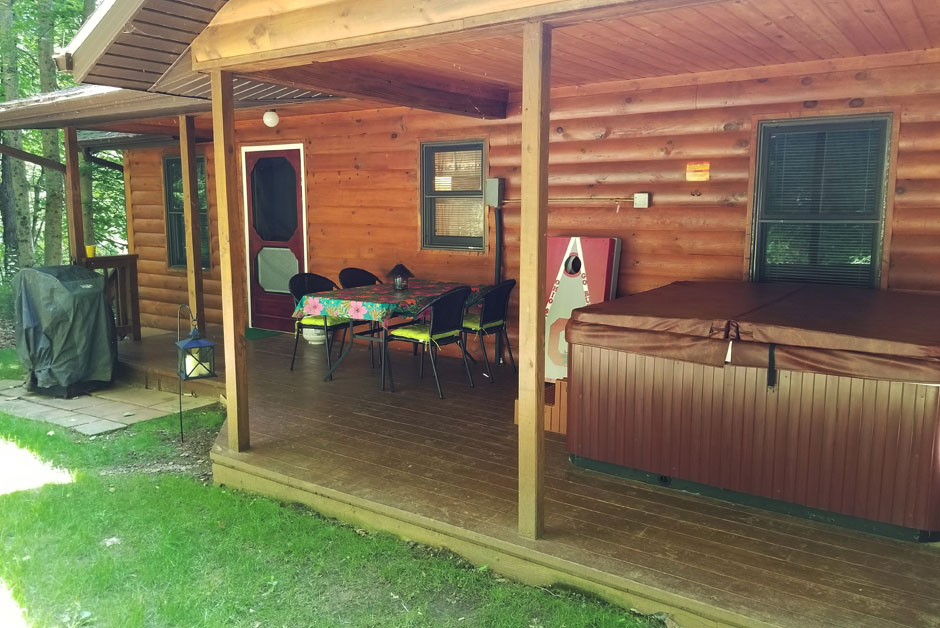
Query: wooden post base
pixel 556 407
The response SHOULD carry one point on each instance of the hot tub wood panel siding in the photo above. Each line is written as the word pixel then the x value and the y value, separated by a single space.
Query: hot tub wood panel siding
pixel 858 447
pixel 607 141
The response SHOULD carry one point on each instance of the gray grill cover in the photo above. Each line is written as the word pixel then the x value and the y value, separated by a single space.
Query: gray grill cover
pixel 65 334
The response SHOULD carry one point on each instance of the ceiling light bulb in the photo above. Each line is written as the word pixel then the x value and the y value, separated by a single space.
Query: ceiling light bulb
pixel 270 118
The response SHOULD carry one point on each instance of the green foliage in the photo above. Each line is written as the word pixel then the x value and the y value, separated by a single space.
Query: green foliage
pixel 109 206
pixel 10 367
pixel 109 211
pixel 136 549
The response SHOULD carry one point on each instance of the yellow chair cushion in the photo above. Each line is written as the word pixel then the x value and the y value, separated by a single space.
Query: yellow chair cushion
pixel 419 332
pixel 317 321
pixel 472 322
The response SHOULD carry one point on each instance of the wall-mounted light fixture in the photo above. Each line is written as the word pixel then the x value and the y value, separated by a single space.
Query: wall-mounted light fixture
pixel 270 118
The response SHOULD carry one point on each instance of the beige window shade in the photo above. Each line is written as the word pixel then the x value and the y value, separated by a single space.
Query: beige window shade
pixel 458 171
pixel 462 217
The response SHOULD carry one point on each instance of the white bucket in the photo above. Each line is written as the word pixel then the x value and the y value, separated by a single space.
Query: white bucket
pixel 314 336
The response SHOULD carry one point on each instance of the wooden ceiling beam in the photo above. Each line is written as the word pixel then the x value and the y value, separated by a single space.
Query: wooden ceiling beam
pixel 58 166
pixel 357 81
pixel 248 36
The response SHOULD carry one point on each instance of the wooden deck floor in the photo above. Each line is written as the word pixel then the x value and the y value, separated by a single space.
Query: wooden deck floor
pixel 444 473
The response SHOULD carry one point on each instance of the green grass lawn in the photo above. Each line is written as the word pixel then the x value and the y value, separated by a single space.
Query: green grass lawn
pixel 10 364
pixel 125 545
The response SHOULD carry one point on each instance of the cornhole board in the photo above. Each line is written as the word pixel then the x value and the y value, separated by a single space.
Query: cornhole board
pixel 579 271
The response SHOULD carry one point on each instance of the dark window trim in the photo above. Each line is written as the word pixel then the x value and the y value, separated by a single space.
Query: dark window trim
pixel 175 249
pixel 765 127
pixel 430 239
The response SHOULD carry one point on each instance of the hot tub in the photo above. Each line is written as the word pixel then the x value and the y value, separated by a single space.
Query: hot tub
pixel 821 397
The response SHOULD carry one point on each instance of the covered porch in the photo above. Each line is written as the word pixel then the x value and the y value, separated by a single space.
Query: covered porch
pixel 677 82
pixel 444 473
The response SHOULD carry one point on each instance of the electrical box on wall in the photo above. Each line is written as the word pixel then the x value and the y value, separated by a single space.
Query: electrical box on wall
pixel 493 192
pixel 641 200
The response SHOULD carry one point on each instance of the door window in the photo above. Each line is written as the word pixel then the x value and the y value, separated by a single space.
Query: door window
pixel 274 199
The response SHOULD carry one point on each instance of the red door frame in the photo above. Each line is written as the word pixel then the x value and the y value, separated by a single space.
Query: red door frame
pixel 270 310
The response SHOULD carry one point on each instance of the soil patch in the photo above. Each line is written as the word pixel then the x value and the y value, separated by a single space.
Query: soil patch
pixel 191 457
pixel 7 334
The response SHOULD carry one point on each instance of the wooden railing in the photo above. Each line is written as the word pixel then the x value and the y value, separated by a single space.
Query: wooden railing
pixel 121 273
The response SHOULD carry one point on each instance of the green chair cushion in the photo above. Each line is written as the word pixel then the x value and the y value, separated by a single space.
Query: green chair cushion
pixel 419 332
pixel 472 322
pixel 317 321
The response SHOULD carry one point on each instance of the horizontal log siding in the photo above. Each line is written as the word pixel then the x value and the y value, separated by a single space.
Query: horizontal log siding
pixel 163 289
pixel 606 141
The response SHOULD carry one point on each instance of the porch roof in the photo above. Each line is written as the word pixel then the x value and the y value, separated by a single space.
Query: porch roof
pixel 472 51
pixel 465 57
pixel 143 45
pixel 134 111
pixel 86 106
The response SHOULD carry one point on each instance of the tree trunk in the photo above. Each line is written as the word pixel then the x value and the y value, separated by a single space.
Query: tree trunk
pixel 88 7
pixel 19 185
pixel 54 181
pixel 86 179
pixel 8 218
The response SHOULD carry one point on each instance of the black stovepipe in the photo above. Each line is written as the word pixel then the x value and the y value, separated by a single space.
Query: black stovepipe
pixel 498 271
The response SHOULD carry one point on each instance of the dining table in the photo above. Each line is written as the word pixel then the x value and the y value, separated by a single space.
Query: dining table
pixel 380 304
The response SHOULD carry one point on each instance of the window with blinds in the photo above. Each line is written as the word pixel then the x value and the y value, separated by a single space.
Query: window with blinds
pixel 820 200
pixel 452 196
pixel 175 223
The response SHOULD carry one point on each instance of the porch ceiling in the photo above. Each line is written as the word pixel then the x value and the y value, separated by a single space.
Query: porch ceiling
pixel 725 35
pixel 661 40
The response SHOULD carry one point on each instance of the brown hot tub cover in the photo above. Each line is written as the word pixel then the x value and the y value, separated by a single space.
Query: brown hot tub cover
pixel 835 330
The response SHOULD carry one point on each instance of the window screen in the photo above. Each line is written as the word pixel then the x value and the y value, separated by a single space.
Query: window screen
pixel 452 195
pixel 820 204
pixel 274 199
pixel 175 223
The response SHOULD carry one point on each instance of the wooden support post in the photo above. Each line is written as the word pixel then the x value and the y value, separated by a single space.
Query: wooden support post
pixel 231 260
pixel 73 198
pixel 191 220
pixel 536 79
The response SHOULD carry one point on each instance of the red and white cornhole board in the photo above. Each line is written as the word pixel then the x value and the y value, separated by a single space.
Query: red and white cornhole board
pixel 578 271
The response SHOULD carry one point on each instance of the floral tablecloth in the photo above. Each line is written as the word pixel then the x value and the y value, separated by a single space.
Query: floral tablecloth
pixel 379 302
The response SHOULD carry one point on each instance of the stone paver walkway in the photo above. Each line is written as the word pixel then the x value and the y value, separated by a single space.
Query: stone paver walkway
pixel 112 409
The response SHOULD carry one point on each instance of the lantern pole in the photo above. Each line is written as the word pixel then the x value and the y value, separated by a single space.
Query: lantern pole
pixel 192 321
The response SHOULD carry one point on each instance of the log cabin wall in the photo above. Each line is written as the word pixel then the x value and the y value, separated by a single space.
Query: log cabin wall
pixel 163 289
pixel 607 140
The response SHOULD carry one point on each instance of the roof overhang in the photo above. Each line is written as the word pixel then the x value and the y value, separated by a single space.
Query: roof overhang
pixel 144 45
pixel 95 106
pixel 91 105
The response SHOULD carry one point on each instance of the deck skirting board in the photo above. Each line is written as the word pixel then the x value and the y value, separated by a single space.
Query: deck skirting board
pixel 521 560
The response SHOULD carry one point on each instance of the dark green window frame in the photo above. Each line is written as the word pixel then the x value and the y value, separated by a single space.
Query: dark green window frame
pixel 820 200
pixel 431 238
pixel 175 221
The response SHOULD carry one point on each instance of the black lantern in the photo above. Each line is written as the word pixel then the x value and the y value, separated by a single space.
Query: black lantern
pixel 400 276
pixel 195 356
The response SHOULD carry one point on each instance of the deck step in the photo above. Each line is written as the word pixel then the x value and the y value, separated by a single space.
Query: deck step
pixel 158 378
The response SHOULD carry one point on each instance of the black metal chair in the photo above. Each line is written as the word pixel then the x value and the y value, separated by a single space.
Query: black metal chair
pixel 356 278
pixel 491 319
pixel 303 284
pixel 353 277
pixel 443 327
